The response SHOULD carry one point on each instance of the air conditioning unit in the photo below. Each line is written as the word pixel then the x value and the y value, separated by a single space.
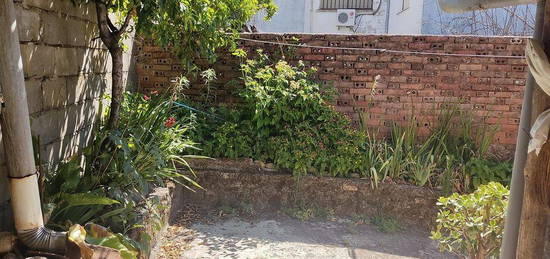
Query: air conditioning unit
pixel 345 17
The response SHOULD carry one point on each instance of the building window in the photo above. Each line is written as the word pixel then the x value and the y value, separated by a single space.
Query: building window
pixel 346 4
pixel 406 5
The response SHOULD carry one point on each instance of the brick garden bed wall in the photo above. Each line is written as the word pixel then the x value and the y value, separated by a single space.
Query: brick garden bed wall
pixel 491 88
pixel 232 183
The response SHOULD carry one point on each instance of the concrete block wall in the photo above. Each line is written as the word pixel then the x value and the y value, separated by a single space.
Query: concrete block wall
pixel 488 87
pixel 67 70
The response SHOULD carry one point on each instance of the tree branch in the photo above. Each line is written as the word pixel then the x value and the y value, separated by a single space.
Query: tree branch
pixel 126 23
pixel 112 27
pixel 105 32
pixel 523 19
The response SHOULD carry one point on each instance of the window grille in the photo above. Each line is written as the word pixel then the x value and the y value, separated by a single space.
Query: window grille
pixel 346 4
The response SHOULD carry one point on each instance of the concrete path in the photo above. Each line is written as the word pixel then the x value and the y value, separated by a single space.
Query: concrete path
pixel 283 237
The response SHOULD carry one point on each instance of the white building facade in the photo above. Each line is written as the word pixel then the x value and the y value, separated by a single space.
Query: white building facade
pixel 360 17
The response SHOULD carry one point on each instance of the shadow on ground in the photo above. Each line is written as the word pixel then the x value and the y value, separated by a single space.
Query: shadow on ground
pixel 278 236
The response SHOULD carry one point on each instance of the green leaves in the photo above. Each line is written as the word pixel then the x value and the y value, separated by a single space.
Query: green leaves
pixel 285 119
pixel 97 235
pixel 121 167
pixel 82 199
pixel 231 143
pixel 197 28
pixel 278 95
pixel 78 207
pixel 115 241
pixel 472 224
pixel 484 171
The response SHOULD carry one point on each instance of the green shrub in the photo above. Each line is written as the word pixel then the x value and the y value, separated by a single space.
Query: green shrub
pixel 482 171
pixel 279 95
pixel 472 224
pixel 230 142
pixel 110 182
pixel 285 118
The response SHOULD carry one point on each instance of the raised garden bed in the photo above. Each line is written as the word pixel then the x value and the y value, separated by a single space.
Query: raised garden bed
pixel 154 223
pixel 259 186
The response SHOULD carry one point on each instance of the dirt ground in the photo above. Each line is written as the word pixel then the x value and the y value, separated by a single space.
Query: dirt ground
pixel 280 236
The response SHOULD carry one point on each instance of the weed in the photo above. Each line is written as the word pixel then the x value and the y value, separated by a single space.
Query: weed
pixel 323 213
pixel 360 219
pixel 247 209
pixel 241 209
pixel 351 227
pixel 301 214
pixel 386 224
pixel 227 211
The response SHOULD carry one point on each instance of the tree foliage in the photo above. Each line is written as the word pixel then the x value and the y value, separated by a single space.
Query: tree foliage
pixel 196 28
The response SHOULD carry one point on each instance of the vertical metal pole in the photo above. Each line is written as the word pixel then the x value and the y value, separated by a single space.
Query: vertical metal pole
pixel 16 135
pixel 18 143
pixel 16 130
pixel 513 212
pixel 532 228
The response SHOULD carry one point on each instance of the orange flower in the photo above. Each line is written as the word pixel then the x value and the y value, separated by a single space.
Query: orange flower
pixel 146 97
pixel 171 121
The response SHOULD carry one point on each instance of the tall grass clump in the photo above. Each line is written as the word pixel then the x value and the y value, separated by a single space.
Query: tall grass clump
pixel 453 156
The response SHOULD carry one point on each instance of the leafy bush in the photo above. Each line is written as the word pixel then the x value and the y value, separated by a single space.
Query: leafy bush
pixel 280 95
pixel 224 135
pixel 315 150
pixel 285 118
pixel 472 224
pixel 483 171
pixel 230 142
pixel 109 183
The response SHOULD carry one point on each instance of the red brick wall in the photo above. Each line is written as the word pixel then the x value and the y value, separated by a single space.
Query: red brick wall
pixel 491 88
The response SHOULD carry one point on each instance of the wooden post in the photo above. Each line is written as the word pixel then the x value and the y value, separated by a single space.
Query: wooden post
pixel 536 199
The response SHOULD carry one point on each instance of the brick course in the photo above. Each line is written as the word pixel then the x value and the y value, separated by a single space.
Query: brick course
pixel 491 88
